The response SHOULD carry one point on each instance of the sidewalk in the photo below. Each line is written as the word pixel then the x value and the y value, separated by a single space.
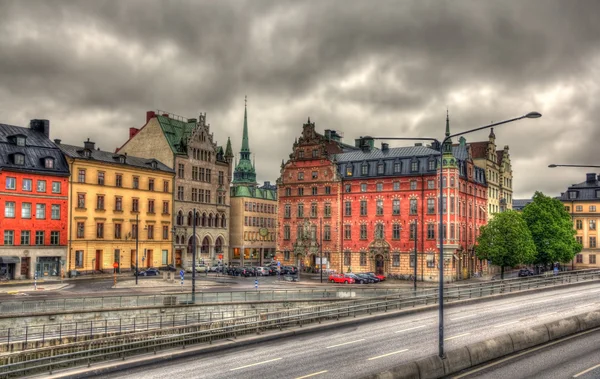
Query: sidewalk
pixel 21 288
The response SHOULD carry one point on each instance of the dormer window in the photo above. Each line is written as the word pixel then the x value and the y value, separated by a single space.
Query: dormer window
pixel 87 153
pixel 19 159
pixel 349 170
pixel 153 164
pixel 414 166
pixel 380 169
pixel 20 140
pixel 598 193
pixel 121 159
pixel 431 164
pixel 48 162
pixel 572 194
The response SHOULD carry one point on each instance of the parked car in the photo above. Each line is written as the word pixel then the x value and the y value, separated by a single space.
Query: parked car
pixel 171 268
pixel 213 268
pixel 289 270
pixel 525 272
pixel 380 277
pixel 369 279
pixel 372 276
pixel 263 271
pixel 242 271
pixel 339 278
pixel 148 272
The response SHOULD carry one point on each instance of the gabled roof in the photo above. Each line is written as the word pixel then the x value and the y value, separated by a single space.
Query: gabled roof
pixel 585 191
pixel 395 152
pixel 176 132
pixel 37 147
pixel 519 204
pixel 499 155
pixel 77 152
pixel 479 149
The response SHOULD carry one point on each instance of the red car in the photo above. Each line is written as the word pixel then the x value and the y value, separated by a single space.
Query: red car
pixel 337 278
pixel 380 277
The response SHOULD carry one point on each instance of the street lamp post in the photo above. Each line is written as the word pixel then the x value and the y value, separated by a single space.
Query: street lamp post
pixel 321 248
pixel 194 258
pixel 137 247
pixel 447 138
pixel 415 261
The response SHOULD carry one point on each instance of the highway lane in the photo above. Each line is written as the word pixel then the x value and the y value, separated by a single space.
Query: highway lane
pixel 348 352
pixel 573 357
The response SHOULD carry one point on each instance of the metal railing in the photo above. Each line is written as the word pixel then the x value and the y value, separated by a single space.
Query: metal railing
pixel 51 358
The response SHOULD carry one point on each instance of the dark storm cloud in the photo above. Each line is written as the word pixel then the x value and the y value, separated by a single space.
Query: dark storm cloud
pixel 361 67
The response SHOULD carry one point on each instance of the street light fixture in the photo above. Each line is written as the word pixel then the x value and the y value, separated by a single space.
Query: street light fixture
pixel 572 165
pixel 137 248
pixel 441 213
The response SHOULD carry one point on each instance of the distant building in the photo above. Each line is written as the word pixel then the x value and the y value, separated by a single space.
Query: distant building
pixel 253 212
pixel 498 170
pixel 519 204
pixel 33 194
pixel 203 173
pixel 120 210
pixel 364 208
pixel 582 201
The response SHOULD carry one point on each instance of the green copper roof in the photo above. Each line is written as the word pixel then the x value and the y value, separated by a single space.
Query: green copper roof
pixel 244 171
pixel 228 149
pixel 176 132
pixel 254 192
pixel 448 159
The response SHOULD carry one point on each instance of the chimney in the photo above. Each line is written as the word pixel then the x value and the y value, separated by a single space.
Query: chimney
pixel 590 177
pixel 165 115
pixel 133 132
pixel 367 143
pixel 42 126
pixel 57 141
pixel 385 146
pixel 88 144
pixel 150 115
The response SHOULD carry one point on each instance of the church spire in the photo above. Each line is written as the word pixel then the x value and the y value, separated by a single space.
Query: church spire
pixel 245 143
pixel 245 173
pixel 447 123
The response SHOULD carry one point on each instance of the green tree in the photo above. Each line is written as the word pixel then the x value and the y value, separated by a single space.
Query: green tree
pixel 552 230
pixel 506 241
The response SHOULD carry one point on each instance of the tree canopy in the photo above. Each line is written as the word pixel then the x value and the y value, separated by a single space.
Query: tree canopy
pixel 552 230
pixel 506 241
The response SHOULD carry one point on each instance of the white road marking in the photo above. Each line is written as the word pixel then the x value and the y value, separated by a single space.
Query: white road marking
pixel 387 355
pixel 585 305
pixel 309 375
pixel 586 371
pixel 460 318
pixel 256 364
pixel 345 343
pixel 406 330
pixel 458 336
pixel 506 323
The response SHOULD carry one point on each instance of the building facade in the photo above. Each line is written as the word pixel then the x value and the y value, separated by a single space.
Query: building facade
pixel 368 209
pixel 498 169
pixel 582 201
pixel 253 212
pixel 120 210
pixel 201 187
pixel 33 195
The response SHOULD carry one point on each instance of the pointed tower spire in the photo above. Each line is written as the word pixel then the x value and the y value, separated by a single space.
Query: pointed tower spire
pixel 447 123
pixel 245 142
pixel 228 149
pixel 244 173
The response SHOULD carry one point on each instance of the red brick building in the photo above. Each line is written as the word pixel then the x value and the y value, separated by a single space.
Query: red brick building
pixel 33 196
pixel 364 206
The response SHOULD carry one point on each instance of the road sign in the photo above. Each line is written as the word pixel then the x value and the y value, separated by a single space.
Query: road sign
pixel 181 273
pixel 278 264
pixel 256 284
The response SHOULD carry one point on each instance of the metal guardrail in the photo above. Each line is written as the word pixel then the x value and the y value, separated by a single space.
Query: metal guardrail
pixel 51 358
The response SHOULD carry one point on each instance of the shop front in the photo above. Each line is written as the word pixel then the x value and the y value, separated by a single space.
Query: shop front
pixel 47 267
pixel 8 266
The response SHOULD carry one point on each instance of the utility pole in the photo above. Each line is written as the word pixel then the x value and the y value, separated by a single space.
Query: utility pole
pixel 415 261
pixel 194 258
pixel 321 248
pixel 137 247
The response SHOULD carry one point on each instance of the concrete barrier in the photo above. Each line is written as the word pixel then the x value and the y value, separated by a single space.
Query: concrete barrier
pixel 589 320
pixel 564 327
pixel 490 349
pixel 431 367
pixel 526 338
pixel 405 371
pixel 457 360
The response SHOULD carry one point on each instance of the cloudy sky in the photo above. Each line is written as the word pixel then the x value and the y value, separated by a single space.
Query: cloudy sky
pixel 384 68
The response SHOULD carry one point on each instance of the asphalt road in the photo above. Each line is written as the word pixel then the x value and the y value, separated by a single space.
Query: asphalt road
pixel 360 350
pixel 574 357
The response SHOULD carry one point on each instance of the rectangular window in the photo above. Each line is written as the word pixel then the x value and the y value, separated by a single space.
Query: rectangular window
pixel 300 210
pixel 80 229
pixel 347 258
pixel 11 183
pixel 327 210
pixel 396 207
pixel 430 231
pixel 100 202
pixel 431 184
pixel 414 166
pixel 347 232
pixel 364 169
pixel 25 210
pixel 396 231
pixel 397 167
pixel 134 231
pixel 165 209
pixel 300 176
pixel 348 209
pixel 592 208
pixel 592 224
pixel 363 231
pixel 579 240
pixel 180 193
pixel 118 203
pixel 413 206
pixel 578 224
pixel 315 174
pixel 81 176
pixel 363 207
pixel 150 206
pixel 396 260
pixel 165 232
pixel 579 208
pixel 135 205
pixel 287 211
pixel 119 180
pixel 165 186
pixel 430 261
pixel 579 258
pixel 150 184
pixel 286 232
pixel 313 210
pixel 100 230
pixel 40 211
pixel 9 237
pixel 79 258
pixel 413 231
pixel 27 185
pixel 363 259
pixel 451 204
pixel 150 232
pixel 301 191
pixel 413 184
pixel 314 190
pixel 592 258
pixel 136 182
pixel 81 200
pixel 592 242
pixel 430 206
pixel 54 238
pixel 379 208
pixel 181 171
pixel 380 169
pixel 101 178
pixel 327 233
pixel 379 187
pixel 363 187
pixel 327 190
pixel 117 231
pixel 41 186
pixel 221 178
pixel 165 257
pixel 396 186
pixel 55 212
pixel 39 237
pixel 348 188
pixel 25 237
pixel 9 209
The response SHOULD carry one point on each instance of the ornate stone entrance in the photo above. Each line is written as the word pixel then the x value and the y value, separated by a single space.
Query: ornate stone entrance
pixel 306 246
pixel 379 254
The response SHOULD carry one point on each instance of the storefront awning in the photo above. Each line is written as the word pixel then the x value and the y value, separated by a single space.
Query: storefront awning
pixel 10 259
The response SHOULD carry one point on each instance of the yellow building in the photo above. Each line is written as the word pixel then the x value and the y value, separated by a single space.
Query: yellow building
pixel 582 201
pixel 112 197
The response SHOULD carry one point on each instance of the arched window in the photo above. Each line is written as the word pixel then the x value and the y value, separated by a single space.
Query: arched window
pixel 223 222
pixel 217 221
pixel 180 218
pixel 219 246
pixel 452 182
pixel 190 218
pixel 205 246
pixel 203 219
pixel 197 218
pixel 210 220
